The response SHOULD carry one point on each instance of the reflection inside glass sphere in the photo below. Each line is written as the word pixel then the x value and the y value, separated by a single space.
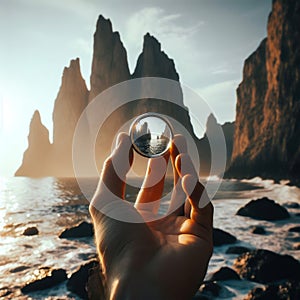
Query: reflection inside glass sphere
pixel 151 134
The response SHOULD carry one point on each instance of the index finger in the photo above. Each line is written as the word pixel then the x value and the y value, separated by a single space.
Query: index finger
pixel 116 166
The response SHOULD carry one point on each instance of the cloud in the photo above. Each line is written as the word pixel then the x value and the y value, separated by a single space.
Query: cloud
pixel 221 69
pixel 222 98
pixel 157 22
pixel 170 29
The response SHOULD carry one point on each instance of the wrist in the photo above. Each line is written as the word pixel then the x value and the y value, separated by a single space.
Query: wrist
pixel 131 287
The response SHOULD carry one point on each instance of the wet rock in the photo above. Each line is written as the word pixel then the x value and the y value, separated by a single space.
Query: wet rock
pixel 210 289
pixel 221 237
pixel 87 256
pixel 19 269
pixel 78 280
pixel 258 230
pixel 31 231
pixel 296 246
pixel 291 205
pixel 288 290
pixel 84 229
pixel 237 250
pixel 294 239
pixel 44 278
pixel 224 273
pixel 265 266
pixel 4 292
pixel 294 229
pixel 263 209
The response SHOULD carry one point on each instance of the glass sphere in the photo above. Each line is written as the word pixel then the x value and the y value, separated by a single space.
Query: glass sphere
pixel 151 135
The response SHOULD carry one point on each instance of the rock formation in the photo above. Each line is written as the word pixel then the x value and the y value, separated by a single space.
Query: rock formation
pixel 41 158
pixel 109 67
pixel 153 62
pixel 37 158
pixel 211 136
pixel 71 100
pixel 267 130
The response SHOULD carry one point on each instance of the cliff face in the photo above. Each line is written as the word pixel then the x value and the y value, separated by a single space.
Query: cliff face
pixel 267 130
pixel 37 159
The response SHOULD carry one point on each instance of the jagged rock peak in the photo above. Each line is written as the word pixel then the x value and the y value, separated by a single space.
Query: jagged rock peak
pixel 72 98
pixel 103 25
pixel 36 157
pixel 109 65
pixel 211 125
pixel 36 127
pixel 154 62
pixel 36 118
pixel 72 71
pixel 151 42
pixel 211 120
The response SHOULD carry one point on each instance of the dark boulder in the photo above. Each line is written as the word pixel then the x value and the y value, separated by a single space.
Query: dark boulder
pixel 223 274
pixel 19 269
pixel 289 290
pixel 221 237
pixel 84 229
pixel 294 229
pixel 78 280
pixel 46 278
pixel 265 266
pixel 264 209
pixel 258 230
pixel 31 231
pixel 210 289
pixel 87 256
pixel 237 250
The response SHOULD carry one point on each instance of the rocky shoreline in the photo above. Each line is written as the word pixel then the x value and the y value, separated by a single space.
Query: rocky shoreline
pixel 269 275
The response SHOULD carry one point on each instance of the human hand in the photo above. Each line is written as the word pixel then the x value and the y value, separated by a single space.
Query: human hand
pixel 150 258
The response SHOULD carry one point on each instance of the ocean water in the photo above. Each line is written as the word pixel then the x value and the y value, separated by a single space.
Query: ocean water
pixel 153 146
pixel 53 204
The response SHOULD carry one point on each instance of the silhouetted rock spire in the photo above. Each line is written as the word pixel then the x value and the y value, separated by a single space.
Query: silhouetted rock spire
pixel 109 65
pixel 37 158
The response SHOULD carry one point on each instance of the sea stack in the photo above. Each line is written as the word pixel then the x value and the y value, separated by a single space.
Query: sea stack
pixel 70 102
pixel 109 65
pixel 37 159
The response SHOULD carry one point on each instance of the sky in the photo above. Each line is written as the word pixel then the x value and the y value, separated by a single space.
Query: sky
pixel 208 40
